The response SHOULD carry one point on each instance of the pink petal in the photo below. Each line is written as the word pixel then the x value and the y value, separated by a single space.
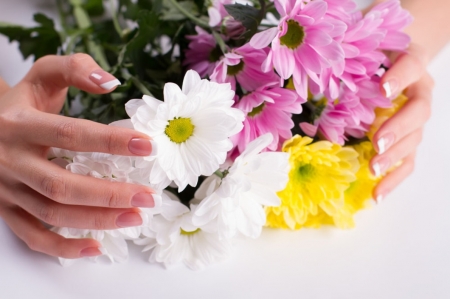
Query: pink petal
pixel 317 38
pixel 264 38
pixel 283 60
pixel 315 9
pixel 308 129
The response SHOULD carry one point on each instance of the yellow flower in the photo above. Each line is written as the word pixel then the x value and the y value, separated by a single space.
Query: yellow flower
pixel 320 173
pixel 382 114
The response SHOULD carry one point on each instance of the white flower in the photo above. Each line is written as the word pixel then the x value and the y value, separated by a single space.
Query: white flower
pixel 191 127
pixel 114 245
pixel 235 203
pixel 173 239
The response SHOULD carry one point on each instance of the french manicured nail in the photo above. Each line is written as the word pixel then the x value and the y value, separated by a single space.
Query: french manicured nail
pixel 143 200
pixel 129 219
pixel 379 198
pixel 90 251
pixel 143 147
pixel 390 88
pixel 385 142
pixel 104 79
pixel 380 166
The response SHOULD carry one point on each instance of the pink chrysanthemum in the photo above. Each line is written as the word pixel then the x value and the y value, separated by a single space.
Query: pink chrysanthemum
pixel 303 44
pixel 203 53
pixel 268 110
pixel 244 66
pixel 394 20
pixel 350 115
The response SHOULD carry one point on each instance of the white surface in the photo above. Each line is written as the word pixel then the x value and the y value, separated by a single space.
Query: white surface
pixel 399 249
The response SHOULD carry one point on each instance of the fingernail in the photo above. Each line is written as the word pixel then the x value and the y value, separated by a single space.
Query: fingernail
pixel 129 219
pixel 143 147
pixel 385 142
pixel 390 88
pixel 104 79
pixel 143 200
pixel 90 251
pixel 381 166
pixel 379 198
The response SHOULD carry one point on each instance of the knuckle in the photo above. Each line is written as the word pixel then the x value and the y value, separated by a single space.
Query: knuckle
pixel 100 222
pixel 111 142
pixel 47 213
pixel 10 119
pixel 54 187
pixel 66 133
pixel 76 61
pixel 113 199
pixel 33 243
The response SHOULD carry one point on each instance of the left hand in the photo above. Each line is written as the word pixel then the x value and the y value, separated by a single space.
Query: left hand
pixel 397 139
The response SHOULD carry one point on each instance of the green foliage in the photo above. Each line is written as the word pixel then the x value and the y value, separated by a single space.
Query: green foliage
pixel 125 37
pixel 38 41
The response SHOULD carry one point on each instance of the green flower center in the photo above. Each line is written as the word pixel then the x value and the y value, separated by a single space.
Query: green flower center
pixel 257 110
pixel 179 129
pixel 294 35
pixel 306 172
pixel 183 232
pixel 215 54
pixel 233 70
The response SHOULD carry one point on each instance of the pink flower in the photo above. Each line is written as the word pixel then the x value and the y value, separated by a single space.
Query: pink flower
pixel 244 66
pixel 203 53
pixel 268 110
pixel 394 20
pixel 217 11
pixel 303 44
pixel 350 115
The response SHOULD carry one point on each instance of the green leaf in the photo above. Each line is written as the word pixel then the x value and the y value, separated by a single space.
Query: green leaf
pixel 94 7
pixel 172 13
pixel 249 16
pixel 38 41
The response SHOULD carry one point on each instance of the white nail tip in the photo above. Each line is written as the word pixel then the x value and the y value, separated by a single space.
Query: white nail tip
pixel 381 146
pixel 102 250
pixel 376 169
pixel 110 85
pixel 154 148
pixel 144 218
pixel 387 89
pixel 379 198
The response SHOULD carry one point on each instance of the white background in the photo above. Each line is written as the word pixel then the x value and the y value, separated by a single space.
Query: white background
pixel 399 249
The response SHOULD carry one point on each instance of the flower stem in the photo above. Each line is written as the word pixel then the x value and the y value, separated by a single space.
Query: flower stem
pixel 189 15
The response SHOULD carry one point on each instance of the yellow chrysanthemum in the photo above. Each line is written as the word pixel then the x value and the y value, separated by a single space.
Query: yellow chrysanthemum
pixel 382 114
pixel 357 195
pixel 320 173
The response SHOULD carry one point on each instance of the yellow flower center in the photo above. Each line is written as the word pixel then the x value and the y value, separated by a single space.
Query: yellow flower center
pixel 257 110
pixel 179 129
pixel 183 232
pixel 294 35
pixel 233 70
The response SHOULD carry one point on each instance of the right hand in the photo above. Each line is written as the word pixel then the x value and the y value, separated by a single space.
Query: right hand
pixel 34 189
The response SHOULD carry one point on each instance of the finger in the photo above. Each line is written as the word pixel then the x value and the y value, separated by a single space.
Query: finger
pixel 3 86
pixel 394 178
pixel 407 69
pixel 82 217
pixel 380 164
pixel 55 73
pixel 79 135
pixel 38 238
pixel 69 188
pixel 412 116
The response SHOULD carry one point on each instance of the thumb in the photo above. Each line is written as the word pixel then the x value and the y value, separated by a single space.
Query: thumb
pixel 407 69
pixel 56 73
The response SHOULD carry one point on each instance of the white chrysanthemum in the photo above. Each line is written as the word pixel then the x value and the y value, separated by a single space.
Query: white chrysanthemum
pixel 114 245
pixel 235 203
pixel 174 240
pixel 191 127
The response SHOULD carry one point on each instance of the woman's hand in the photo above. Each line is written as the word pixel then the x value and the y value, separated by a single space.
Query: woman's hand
pixel 397 139
pixel 33 189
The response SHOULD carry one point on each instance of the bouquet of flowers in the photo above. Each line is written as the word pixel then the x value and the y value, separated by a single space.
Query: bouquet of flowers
pixel 267 122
